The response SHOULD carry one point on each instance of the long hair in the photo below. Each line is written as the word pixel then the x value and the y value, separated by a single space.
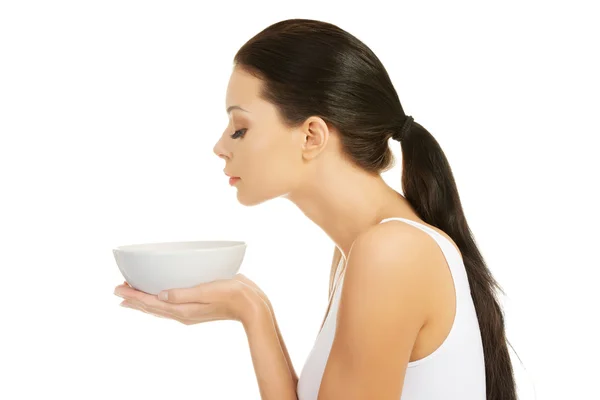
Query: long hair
pixel 311 67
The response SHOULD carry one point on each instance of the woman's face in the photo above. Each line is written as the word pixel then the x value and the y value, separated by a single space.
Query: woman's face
pixel 263 153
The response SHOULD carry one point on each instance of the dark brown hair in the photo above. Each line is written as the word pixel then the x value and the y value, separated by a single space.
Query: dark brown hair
pixel 310 67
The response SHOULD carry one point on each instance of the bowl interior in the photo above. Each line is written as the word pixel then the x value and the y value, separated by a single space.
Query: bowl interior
pixel 181 246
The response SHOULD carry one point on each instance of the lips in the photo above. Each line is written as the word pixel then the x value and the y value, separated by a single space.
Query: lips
pixel 231 176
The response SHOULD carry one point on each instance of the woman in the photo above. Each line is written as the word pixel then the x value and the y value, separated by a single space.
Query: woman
pixel 412 312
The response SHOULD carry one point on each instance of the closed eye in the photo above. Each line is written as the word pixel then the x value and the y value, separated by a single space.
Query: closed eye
pixel 238 133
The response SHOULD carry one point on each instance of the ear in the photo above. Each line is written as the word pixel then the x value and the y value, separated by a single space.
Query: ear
pixel 316 135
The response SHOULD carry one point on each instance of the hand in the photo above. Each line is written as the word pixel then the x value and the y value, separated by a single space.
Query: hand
pixel 225 299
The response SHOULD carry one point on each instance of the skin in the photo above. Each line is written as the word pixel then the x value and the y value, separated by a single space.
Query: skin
pixel 397 303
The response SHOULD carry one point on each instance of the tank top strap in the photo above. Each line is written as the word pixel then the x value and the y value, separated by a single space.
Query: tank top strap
pixel 452 256
pixel 436 235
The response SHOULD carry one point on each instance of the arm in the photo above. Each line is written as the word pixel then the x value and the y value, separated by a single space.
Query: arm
pixel 252 332
pixel 250 298
pixel 282 344
pixel 381 310
pixel 276 379
pixel 267 345
pixel 334 263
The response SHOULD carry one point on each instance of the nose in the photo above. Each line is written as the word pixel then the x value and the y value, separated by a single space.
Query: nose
pixel 220 150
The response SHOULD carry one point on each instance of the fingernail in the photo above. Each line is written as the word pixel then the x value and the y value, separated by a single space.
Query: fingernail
pixel 164 295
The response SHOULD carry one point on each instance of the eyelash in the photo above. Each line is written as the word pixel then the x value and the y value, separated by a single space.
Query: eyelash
pixel 236 135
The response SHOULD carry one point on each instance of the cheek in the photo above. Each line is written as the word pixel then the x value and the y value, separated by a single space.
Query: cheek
pixel 277 170
pixel 273 172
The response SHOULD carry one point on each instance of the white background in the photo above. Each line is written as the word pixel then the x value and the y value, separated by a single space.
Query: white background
pixel 109 111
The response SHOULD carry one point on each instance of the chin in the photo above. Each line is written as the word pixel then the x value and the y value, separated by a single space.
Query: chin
pixel 253 199
pixel 250 201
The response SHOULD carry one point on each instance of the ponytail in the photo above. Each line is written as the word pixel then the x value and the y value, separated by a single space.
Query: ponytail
pixel 428 184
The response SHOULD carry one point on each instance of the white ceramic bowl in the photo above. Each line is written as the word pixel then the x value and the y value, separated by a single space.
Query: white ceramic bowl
pixel 153 267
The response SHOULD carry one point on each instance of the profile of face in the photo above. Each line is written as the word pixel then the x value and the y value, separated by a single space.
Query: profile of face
pixel 269 158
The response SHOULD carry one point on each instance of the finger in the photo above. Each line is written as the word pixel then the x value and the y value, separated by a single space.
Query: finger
pixel 158 312
pixel 127 292
pixel 206 293
pixel 131 304
pixel 144 309
pixel 128 304
pixel 120 289
pixel 160 307
pixel 125 284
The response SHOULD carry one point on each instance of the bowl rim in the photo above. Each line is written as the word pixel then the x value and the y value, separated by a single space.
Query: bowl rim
pixel 134 248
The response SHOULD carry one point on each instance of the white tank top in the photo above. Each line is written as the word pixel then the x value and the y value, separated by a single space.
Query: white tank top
pixel 454 371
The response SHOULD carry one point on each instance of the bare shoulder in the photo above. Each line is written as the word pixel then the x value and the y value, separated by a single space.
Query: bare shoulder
pixel 380 314
pixel 391 256
pixel 391 241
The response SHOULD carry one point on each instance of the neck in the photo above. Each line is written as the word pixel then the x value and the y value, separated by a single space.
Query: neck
pixel 345 202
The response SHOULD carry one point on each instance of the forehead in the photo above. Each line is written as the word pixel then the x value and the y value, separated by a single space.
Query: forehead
pixel 242 90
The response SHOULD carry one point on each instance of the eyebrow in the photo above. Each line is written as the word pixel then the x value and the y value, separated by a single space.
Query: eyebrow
pixel 231 108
